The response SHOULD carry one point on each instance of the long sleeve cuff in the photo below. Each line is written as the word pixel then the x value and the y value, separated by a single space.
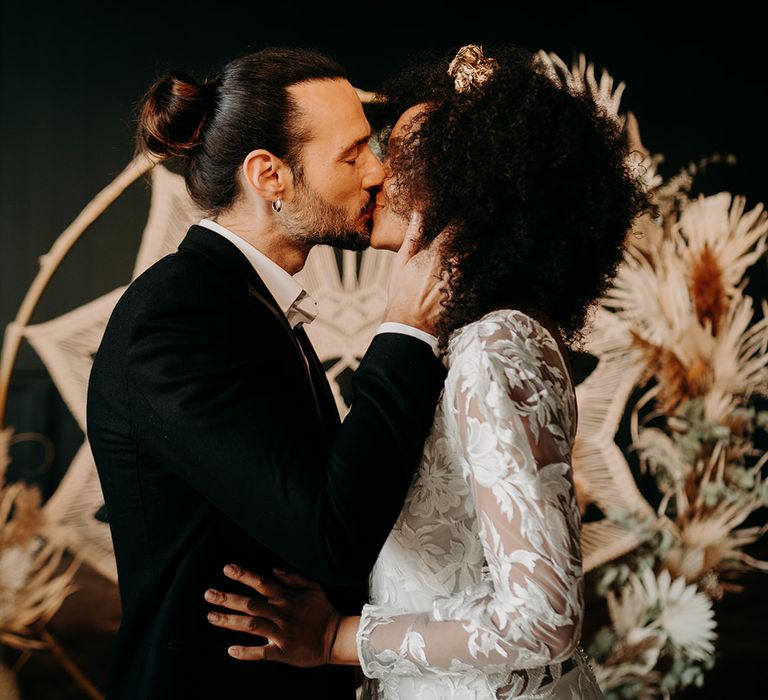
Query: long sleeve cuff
pixel 394 327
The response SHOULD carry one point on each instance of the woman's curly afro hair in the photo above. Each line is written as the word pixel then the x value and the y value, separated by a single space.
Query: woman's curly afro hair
pixel 531 181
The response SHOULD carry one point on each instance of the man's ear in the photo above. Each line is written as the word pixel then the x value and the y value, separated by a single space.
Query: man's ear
pixel 266 175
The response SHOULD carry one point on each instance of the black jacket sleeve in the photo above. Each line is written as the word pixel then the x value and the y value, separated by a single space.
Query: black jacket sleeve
pixel 206 403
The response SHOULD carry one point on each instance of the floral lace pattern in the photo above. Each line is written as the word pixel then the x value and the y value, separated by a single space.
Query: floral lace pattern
pixel 478 591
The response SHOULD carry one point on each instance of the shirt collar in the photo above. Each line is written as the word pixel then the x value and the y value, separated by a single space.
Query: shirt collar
pixel 294 301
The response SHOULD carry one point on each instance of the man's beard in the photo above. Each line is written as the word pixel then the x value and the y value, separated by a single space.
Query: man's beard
pixel 313 220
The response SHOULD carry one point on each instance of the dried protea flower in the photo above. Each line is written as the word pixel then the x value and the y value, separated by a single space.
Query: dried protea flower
pixel 707 290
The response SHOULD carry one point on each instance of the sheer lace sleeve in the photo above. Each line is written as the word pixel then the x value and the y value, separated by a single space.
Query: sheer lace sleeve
pixel 511 410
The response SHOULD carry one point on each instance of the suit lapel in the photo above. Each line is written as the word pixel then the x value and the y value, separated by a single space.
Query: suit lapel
pixel 327 401
pixel 226 256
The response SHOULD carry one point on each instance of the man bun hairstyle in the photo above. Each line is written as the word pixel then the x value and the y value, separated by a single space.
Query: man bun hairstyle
pixel 172 115
pixel 210 127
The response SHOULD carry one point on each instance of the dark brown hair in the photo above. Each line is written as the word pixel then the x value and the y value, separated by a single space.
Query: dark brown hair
pixel 212 126
pixel 532 180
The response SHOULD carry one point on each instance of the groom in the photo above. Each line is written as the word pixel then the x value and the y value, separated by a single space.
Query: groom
pixel 213 428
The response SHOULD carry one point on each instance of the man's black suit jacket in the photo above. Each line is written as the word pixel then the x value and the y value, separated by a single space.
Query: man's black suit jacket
pixel 212 445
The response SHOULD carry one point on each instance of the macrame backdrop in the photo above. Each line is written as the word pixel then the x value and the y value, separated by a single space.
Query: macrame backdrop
pixel 351 297
pixel 351 303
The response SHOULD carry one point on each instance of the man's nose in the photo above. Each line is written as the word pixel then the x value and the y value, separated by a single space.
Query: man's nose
pixel 374 176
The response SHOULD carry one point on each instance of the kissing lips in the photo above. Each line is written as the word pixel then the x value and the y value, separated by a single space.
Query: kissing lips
pixel 367 211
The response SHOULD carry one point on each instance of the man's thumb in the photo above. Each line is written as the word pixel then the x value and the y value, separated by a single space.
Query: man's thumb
pixel 410 240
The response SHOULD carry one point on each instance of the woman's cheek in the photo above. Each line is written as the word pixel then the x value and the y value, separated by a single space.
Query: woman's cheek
pixel 388 231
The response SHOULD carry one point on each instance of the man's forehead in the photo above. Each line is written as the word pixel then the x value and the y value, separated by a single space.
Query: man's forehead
pixel 332 111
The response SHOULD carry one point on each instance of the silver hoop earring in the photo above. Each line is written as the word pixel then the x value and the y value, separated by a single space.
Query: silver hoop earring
pixel 277 205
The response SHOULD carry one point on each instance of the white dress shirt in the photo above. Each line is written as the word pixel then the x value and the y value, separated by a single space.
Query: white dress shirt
pixel 293 300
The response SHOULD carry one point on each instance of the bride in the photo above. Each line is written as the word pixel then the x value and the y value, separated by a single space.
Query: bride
pixel 478 591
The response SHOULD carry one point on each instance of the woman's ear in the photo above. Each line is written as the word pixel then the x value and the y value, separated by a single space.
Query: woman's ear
pixel 266 175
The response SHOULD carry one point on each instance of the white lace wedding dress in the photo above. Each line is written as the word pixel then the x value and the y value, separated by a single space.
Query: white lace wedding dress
pixel 478 591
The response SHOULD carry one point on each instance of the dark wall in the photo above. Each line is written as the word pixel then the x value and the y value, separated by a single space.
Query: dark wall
pixel 71 74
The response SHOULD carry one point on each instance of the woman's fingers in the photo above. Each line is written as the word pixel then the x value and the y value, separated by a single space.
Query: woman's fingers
pixel 269 652
pixel 294 579
pixel 241 603
pixel 268 587
pixel 258 626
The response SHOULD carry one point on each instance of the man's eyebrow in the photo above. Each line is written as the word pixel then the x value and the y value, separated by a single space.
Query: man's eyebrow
pixel 360 142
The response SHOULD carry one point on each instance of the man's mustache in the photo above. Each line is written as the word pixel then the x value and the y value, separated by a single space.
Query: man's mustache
pixel 370 206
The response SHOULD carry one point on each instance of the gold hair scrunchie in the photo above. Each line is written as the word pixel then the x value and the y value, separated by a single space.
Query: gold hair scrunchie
pixel 470 68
